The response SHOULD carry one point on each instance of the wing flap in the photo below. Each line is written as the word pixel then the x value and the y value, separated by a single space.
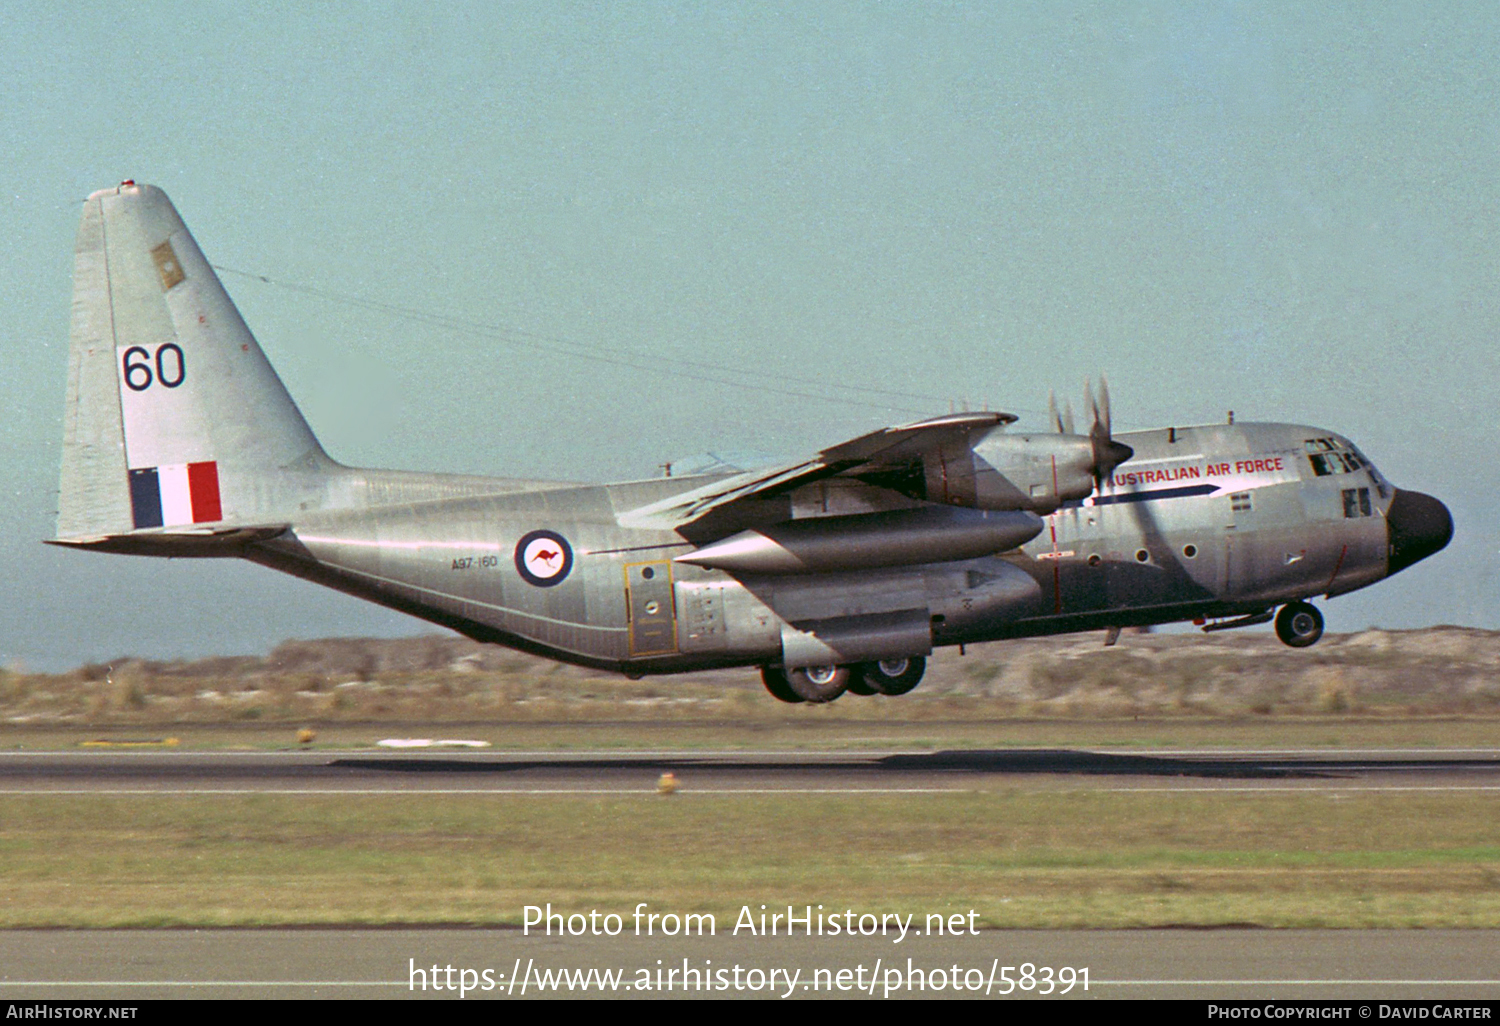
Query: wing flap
pixel 871 453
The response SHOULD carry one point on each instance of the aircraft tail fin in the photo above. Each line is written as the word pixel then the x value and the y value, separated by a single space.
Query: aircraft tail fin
pixel 174 416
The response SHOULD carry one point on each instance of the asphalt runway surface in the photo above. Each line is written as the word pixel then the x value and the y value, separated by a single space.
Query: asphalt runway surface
pixel 137 771
pixel 1362 966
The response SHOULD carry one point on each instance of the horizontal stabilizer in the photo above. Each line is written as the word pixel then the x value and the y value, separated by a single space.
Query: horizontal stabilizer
pixel 183 542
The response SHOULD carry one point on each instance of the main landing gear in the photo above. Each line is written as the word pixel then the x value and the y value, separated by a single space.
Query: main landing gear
pixel 894 676
pixel 819 684
pixel 815 684
pixel 1299 624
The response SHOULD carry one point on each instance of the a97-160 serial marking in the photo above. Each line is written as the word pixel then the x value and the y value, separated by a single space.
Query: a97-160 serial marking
pixel 473 562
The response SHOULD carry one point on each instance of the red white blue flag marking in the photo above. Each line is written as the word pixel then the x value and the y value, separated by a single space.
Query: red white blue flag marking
pixel 176 494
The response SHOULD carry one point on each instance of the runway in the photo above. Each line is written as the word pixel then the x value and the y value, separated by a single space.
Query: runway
pixel 1454 966
pixel 709 773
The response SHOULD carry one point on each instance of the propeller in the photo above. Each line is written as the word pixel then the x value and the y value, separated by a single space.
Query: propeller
pixel 1062 422
pixel 1108 453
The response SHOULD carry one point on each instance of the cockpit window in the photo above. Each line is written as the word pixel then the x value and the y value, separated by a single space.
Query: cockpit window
pixel 1376 477
pixel 1334 463
pixel 1335 456
pixel 1324 464
pixel 1329 456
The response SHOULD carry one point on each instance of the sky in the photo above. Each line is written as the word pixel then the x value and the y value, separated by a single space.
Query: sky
pixel 579 240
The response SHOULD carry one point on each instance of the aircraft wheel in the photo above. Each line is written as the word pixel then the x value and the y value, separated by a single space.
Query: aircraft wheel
pixel 777 685
pixel 1299 624
pixel 894 676
pixel 857 683
pixel 819 683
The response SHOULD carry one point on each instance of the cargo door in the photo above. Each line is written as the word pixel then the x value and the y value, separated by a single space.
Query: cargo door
pixel 652 612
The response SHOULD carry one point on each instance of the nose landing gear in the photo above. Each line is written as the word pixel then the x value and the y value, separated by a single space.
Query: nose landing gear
pixel 1299 624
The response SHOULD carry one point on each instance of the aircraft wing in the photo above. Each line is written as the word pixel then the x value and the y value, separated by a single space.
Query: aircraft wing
pixel 868 454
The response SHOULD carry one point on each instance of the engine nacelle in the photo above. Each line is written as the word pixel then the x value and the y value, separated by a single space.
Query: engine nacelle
pixel 932 534
pixel 999 471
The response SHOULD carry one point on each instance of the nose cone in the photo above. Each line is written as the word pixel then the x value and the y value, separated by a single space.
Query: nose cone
pixel 1419 525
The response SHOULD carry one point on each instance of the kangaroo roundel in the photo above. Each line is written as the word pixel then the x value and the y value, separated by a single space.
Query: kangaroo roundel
pixel 543 558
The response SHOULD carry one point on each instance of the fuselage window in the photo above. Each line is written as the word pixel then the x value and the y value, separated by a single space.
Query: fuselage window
pixel 1357 502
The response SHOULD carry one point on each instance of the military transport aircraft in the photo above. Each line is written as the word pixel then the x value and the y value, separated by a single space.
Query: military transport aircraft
pixel 840 572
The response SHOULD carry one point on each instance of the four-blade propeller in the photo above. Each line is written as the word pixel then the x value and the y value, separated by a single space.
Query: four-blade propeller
pixel 1108 453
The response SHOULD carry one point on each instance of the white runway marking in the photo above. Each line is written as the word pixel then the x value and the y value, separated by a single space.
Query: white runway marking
pixel 321 756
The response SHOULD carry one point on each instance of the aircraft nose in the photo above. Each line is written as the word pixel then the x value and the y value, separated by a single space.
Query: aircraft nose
pixel 1418 525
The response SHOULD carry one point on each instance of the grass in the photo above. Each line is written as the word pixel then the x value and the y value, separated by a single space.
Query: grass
pixel 1022 859
pixel 432 679
pixel 1039 857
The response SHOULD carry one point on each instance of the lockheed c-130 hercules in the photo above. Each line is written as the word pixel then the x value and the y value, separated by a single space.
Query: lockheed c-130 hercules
pixel 840 572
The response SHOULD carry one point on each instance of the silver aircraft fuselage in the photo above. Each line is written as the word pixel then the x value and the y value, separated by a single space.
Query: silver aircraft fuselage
pixel 1202 523
pixel 840 571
